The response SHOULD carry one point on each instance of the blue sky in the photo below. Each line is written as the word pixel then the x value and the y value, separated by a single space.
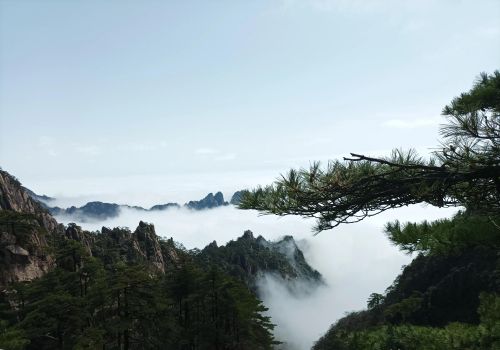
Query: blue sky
pixel 172 98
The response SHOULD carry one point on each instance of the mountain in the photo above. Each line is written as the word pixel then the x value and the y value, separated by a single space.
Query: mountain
pixel 30 236
pixel 114 288
pixel 209 202
pixel 100 211
pixel 26 229
pixel 39 198
pixel 92 211
pixel 236 198
pixel 446 298
pixel 248 258
pixel 164 206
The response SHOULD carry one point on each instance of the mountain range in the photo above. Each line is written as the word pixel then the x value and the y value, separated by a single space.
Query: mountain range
pixel 28 230
pixel 99 211
pixel 62 287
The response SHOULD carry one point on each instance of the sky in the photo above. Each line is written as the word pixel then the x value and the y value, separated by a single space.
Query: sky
pixel 151 101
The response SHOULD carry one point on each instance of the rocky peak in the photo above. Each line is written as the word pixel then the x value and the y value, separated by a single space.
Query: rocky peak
pixel 247 258
pixel 248 235
pixel 210 201
pixel 213 245
pixel 142 245
pixel 25 227
pixel 237 196
pixel 14 197
pixel 42 199
pixel 164 206
pixel 75 232
pixel 145 231
pixel 219 198
pixel 145 242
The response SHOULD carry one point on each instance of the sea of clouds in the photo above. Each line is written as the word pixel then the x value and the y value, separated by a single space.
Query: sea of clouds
pixel 355 260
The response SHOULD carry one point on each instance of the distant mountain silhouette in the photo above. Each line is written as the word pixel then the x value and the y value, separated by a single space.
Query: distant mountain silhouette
pixel 98 211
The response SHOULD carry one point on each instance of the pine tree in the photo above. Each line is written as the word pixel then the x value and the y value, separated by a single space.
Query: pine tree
pixel 465 171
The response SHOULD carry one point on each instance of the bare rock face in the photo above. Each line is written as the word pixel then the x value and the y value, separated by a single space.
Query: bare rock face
pixel 23 248
pixel 15 198
pixel 145 242
pixel 140 246
pixel 75 232
pixel 25 227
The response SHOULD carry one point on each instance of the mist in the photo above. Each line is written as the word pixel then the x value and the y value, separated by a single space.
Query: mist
pixel 355 260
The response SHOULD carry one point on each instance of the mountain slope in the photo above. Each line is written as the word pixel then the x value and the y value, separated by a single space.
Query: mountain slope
pixel 26 230
pixel 29 237
pixel 448 297
pixel 248 258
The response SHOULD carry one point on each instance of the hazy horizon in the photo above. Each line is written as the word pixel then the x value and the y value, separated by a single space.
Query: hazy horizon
pixel 176 99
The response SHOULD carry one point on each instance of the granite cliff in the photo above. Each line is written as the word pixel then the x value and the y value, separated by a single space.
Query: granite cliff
pixel 29 235
pixel 26 229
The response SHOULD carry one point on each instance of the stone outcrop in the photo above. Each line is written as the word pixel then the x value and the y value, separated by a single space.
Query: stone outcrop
pixel 28 233
pixel 236 198
pixel 25 229
pixel 75 232
pixel 15 198
pixel 145 242
pixel 140 246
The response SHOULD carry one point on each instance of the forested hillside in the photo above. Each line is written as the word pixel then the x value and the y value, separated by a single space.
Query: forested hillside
pixel 66 288
pixel 248 258
pixel 446 298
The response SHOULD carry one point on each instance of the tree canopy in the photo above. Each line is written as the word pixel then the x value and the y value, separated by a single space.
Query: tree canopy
pixel 464 171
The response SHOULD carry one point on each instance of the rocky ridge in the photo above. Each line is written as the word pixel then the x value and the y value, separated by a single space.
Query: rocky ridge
pixel 29 234
pixel 100 211
pixel 248 258
pixel 25 231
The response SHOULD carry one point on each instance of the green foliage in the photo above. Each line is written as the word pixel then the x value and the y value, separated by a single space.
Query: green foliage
pixel 86 303
pixel 399 312
pixel 489 310
pixel 455 336
pixel 21 226
pixel 12 338
pixel 375 300
pixel 447 299
pixel 446 236
pixel 245 257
